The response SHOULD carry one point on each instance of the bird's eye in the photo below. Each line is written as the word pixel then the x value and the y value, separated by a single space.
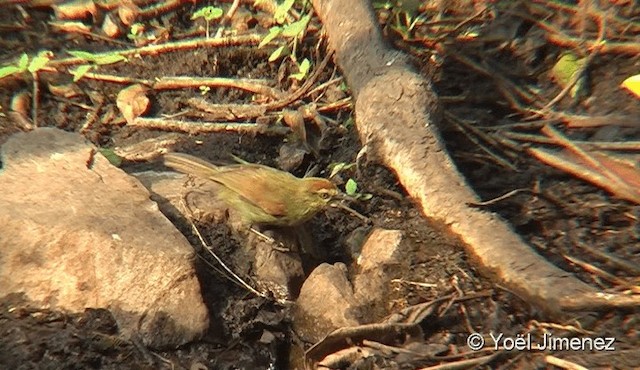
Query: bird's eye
pixel 325 196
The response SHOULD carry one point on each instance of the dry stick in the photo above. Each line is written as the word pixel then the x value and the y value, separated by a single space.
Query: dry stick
pixel 252 39
pixel 35 100
pixel 560 38
pixel 92 117
pixel 564 364
pixel 579 73
pixel 304 88
pixel 294 96
pixel 224 266
pixel 592 162
pixel 465 128
pixel 345 103
pixel 594 12
pixel 509 89
pixel 594 270
pixel 159 8
pixel 537 325
pixel 227 17
pixel 604 145
pixel 179 82
pixel 196 127
pixel 252 85
pixel 63 27
pixel 610 259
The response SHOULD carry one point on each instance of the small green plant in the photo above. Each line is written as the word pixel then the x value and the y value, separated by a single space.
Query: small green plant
pixel 204 90
pixel 292 31
pixel 39 61
pixel 79 72
pixel 303 69
pixel 23 65
pixel 111 156
pixel 209 13
pixel 136 31
pixel 351 189
pixel 100 59
pixel 20 66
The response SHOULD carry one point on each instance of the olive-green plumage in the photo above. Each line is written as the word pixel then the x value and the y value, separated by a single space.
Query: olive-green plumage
pixel 261 194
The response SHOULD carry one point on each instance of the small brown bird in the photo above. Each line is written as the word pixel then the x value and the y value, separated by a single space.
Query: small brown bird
pixel 260 194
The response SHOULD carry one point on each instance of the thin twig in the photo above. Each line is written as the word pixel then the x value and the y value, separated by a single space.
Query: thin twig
pixel 195 127
pixel 564 364
pixel 35 99
pixel 580 72
pixel 224 266
pixel 252 39
pixel 257 86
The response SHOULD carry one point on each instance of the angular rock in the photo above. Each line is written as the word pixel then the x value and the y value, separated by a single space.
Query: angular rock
pixel 378 264
pixel 326 303
pixel 77 232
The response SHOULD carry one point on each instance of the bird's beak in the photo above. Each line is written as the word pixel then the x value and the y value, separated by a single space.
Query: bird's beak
pixel 340 197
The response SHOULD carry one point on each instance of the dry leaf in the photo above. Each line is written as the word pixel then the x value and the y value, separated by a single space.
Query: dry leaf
pixel 128 12
pixel 78 9
pixel 110 27
pixel 133 102
pixel 295 120
pixel 65 91
pixel 70 27
pixel 21 103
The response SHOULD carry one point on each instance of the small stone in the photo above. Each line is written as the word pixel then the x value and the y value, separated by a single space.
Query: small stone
pixel 326 303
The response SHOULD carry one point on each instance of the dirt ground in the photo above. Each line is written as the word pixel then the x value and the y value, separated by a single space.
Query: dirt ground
pixel 576 225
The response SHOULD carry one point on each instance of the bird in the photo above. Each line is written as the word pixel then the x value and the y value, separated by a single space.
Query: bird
pixel 262 195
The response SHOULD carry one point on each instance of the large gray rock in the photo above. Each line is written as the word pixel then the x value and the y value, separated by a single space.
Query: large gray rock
pixel 77 232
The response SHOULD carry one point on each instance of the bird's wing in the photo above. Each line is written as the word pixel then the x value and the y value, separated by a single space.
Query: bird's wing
pixel 262 180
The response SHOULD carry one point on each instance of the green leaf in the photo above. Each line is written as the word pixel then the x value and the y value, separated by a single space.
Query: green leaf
pixel 98 58
pixel 39 61
pixel 208 13
pixel 566 66
pixel 279 52
pixel 366 196
pixel 303 68
pixel 349 122
pixel 23 63
pixel 351 187
pixel 79 72
pixel 273 33
pixel 111 156
pixel 296 28
pixel 136 31
pixel 109 59
pixel 280 15
pixel 84 55
pixel 8 71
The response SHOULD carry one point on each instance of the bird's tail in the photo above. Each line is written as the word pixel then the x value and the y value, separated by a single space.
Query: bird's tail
pixel 189 164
